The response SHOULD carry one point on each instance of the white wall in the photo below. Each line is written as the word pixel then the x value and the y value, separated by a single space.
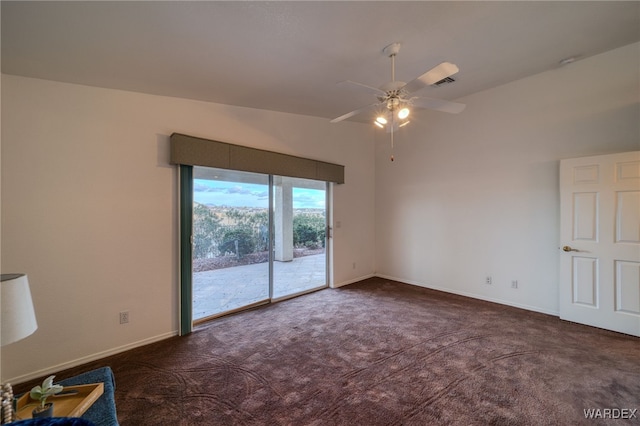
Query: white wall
pixel 89 202
pixel 89 208
pixel 476 194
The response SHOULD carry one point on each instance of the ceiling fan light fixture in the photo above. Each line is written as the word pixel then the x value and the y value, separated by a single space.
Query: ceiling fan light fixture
pixel 394 100
pixel 393 103
pixel 403 113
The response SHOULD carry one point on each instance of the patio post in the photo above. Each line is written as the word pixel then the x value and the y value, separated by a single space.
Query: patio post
pixel 283 220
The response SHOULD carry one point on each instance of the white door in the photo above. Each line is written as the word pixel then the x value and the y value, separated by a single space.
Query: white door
pixel 600 241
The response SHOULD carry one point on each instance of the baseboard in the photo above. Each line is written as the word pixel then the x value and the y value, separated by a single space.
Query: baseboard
pixel 472 295
pixel 355 280
pixel 93 357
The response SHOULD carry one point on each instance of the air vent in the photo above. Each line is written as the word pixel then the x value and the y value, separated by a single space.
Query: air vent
pixel 445 80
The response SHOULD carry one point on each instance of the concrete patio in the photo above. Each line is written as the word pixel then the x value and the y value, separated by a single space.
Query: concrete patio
pixel 223 290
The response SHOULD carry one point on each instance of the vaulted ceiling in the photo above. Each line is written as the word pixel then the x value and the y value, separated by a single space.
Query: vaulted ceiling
pixel 288 56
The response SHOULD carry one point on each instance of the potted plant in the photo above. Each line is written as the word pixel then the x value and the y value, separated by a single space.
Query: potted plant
pixel 41 393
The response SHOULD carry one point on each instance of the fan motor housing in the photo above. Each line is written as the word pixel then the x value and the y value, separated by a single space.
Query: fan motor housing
pixel 393 94
pixel 393 103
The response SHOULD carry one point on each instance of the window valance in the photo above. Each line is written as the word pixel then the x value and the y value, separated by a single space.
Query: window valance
pixel 190 150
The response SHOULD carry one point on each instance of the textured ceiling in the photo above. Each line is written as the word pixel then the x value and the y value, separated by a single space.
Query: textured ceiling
pixel 288 56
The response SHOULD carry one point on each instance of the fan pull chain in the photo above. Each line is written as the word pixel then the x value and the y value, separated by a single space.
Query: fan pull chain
pixel 392 141
pixel 393 124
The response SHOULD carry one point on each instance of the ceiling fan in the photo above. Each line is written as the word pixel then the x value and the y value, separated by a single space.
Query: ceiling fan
pixel 395 100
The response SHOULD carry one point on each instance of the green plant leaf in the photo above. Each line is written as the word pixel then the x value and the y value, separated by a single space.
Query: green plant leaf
pixel 56 389
pixel 41 393
pixel 36 392
pixel 48 382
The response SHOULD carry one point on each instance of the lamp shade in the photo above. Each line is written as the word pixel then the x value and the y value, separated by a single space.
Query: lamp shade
pixel 17 315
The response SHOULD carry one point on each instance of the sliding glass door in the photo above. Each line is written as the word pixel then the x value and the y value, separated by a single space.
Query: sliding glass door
pixel 300 223
pixel 255 238
pixel 230 241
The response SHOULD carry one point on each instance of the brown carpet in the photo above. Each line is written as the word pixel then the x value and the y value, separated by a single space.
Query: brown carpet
pixel 379 353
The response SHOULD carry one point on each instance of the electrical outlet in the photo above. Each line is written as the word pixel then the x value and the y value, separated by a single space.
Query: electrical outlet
pixel 514 284
pixel 488 280
pixel 124 317
pixel 354 265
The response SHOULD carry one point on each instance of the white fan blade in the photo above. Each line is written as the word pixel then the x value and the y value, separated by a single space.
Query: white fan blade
pixel 444 70
pixel 438 104
pixel 352 113
pixel 362 87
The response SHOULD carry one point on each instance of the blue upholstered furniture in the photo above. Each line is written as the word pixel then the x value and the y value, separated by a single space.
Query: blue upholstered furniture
pixel 53 421
pixel 101 413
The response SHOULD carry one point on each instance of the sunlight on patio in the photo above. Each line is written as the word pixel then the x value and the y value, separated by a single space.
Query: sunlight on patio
pixel 222 290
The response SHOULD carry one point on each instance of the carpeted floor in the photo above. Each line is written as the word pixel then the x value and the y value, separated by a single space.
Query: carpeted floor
pixel 379 353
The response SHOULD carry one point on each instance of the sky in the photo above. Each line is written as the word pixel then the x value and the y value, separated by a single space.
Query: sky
pixel 234 194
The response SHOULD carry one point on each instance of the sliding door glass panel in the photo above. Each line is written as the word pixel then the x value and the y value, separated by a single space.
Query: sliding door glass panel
pixel 299 232
pixel 230 241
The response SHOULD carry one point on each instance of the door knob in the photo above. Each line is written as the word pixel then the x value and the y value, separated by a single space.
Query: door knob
pixel 568 248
